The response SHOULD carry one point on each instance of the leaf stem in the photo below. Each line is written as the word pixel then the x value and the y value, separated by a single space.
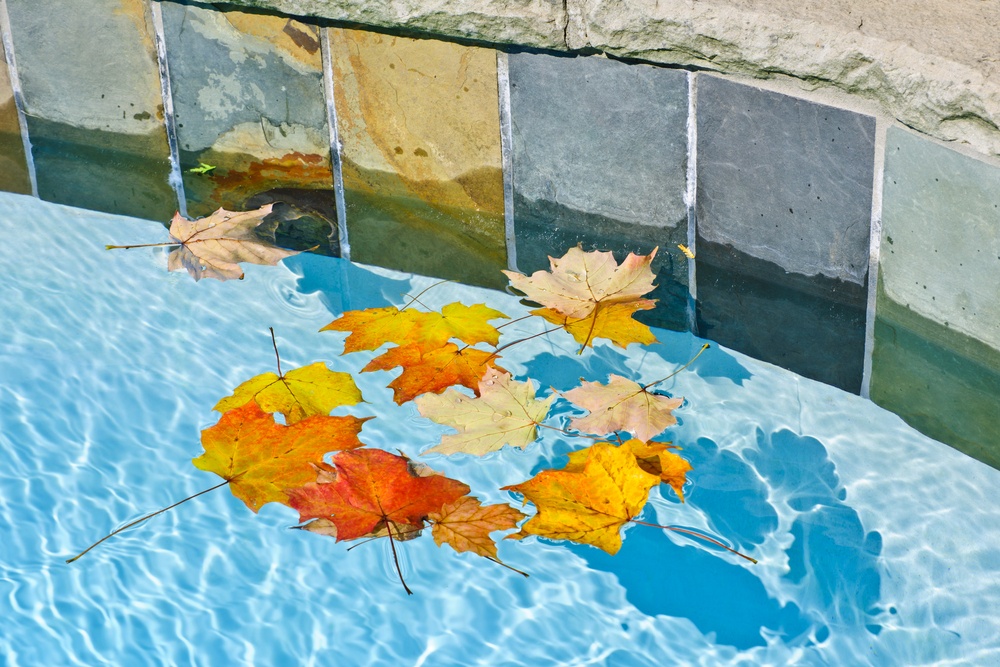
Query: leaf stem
pixel 141 519
pixel 525 317
pixel 692 360
pixel 141 245
pixel 276 357
pixel 695 533
pixel 395 558
pixel 424 291
pixel 522 340
pixel 513 569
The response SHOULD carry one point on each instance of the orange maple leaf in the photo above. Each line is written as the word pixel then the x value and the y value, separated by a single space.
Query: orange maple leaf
pixel 261 458
pixel 588 501
pixel 433 370
pixel 622 405
pixel 373 327
pixel 592 296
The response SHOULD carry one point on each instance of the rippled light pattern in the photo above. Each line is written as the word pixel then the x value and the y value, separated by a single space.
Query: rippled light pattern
pixel 876 545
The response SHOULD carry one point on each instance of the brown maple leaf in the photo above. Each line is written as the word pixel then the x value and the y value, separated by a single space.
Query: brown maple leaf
pixel 434 370
pixel 261 458
pixel 466 524
pixel 213 246
pixel 373 327
pixel 622 405
pixel 589 501
pixel 591 296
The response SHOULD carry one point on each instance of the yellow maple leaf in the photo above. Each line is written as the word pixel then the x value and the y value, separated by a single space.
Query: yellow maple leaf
pixel 622 405
pixel 590 502
pixel 653 457
pixel 611 321
pixel 297 394
pixel 505 413
pixel 372 327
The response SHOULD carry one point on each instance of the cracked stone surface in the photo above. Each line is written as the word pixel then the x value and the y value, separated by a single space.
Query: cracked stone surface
pixel 932 65
pixel 785 180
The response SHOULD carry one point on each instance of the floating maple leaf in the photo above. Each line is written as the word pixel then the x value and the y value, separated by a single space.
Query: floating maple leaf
pixel 622 405
pixel 466 524
pixel 506 413
pixel 373 327
pixel 213 247
pixel 590 295
pixel 432 371
pixel 653 457
pixel 297 394
pixel 373 487
pixel 261 458
pixel 589 501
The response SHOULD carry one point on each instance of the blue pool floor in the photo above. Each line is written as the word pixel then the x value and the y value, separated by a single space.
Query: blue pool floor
pixel 877 545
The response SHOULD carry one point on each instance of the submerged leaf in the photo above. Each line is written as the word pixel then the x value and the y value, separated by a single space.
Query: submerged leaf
pixel 300 393
pixel 261 458
pixel 622 405
pixel 432 371
pixel 505 413
pixel 213 247
pixel 466 524
pixel 589 501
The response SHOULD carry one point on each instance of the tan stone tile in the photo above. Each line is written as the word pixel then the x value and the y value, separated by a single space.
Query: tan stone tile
pixel 13 167
pixel 419 120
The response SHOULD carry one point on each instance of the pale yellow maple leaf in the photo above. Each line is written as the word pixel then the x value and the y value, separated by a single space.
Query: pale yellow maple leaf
pixel 506 412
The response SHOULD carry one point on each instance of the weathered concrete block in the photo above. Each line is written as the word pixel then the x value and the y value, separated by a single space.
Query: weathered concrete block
pixel 249 100
pixel 600 159
pixel 420 128
pixel 937 335
pixel 91 89
pixel 13 167
pixel 784 199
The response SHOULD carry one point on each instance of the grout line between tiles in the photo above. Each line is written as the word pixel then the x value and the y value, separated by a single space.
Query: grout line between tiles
pixel 506 157
pixel 15 83
pixel 874 253
pixel 691 196
pixel 335 158
pixel 176 178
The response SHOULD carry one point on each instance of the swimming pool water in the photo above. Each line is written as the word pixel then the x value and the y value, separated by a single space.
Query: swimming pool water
pixel 876 544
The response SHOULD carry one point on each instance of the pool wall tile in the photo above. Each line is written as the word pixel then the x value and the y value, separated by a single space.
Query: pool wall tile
pixel 419 124
pixel 783 218
pixel 248 100
pixel 90 81
pixel 600 159
pixel 13 165
pixel 936 360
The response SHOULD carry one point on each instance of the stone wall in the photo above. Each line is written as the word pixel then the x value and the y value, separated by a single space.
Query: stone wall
pixel 830 238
